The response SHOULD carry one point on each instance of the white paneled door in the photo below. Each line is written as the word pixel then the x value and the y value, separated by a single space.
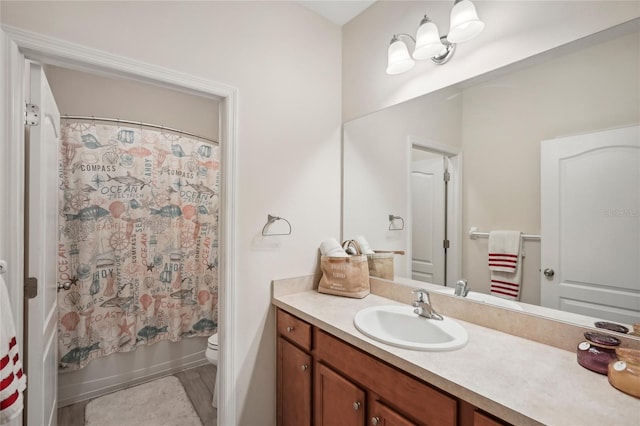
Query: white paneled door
pixel 42 228
pixel 590 224
pixel 427 220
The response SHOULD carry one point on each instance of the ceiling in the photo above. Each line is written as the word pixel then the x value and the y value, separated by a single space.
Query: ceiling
pixel 337 11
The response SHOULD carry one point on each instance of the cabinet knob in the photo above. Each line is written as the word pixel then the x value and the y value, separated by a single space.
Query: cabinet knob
pixel 289 329
pixel 356 405
pixel 375 420
pixel 304 367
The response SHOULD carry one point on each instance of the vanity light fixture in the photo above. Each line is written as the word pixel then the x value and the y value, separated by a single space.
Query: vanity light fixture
pixel 428 43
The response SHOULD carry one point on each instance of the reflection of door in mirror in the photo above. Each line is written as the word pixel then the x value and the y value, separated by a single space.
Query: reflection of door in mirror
pixel 434 206
pixel 590 205
pixel 428 213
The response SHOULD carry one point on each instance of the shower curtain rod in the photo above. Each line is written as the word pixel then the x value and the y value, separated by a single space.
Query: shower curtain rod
pixel 138 123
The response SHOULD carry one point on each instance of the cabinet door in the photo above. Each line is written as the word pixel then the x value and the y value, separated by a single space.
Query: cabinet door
pixel 294 385
pixel 381 415
pixel 338 402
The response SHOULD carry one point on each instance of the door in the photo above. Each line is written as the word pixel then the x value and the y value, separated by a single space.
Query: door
pixel 381 415
pixel 428 220
pixel 41 223
pixel 590 224
pixel 338 401
pixel 294 385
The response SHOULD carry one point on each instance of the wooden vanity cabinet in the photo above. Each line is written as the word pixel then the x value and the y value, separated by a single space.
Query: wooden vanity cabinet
pixel 410 400
pixel 349 387
pixel 472 416
pixel 338 401
pixel 381 415
pixel 294 371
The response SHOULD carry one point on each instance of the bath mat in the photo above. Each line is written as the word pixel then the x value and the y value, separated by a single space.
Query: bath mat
pixel 162 402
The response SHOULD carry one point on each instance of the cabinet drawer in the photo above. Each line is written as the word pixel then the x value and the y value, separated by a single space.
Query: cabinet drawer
pixel 294 329
pixel 480 419
pixel 410 396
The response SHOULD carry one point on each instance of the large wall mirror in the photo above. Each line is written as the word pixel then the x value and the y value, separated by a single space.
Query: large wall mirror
pixel 549 146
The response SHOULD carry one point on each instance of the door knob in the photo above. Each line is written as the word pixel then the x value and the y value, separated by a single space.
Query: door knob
pixel 65 286
pixel 356 405
pixel 548 272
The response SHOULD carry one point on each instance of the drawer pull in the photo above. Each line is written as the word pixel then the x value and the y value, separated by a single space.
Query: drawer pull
pixel 290 329
pixel 304 367
pixel 375 420
pixel 356 405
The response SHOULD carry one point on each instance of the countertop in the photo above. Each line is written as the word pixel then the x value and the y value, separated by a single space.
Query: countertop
pixel 515 379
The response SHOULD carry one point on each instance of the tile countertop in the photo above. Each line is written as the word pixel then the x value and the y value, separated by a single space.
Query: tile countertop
pixel 515 379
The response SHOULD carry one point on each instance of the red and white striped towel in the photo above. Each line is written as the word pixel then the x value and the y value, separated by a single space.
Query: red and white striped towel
pixel 505 263
pixel 12 380
pixel 504 250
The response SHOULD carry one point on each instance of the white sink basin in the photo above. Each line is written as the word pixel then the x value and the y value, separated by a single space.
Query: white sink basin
pixel 400 326
pixel 489 299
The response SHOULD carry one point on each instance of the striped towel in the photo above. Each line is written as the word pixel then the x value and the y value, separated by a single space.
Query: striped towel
pixel 504 250
pixel 505 263
pixel 12 381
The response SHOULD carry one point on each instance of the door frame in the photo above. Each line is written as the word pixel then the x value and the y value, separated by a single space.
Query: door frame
pixel 454 203
pixel 18 45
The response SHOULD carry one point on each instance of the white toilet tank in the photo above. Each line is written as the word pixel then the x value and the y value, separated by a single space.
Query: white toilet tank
pixel 212 349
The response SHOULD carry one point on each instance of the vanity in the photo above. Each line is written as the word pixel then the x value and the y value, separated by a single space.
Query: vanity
pixel 329 373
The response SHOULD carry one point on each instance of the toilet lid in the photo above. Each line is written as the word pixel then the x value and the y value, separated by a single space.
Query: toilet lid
pixel 213 341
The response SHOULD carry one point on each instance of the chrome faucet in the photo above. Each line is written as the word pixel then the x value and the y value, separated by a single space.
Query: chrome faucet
pixel 423 305
pixel 462 288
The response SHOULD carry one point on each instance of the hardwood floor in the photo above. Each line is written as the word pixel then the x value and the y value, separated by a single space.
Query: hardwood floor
pixel 197 382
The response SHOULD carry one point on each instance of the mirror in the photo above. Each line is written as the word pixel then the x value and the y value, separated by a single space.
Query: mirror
pixel 488 133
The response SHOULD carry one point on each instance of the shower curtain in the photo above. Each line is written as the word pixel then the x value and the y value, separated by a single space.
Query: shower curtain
pixel 138 239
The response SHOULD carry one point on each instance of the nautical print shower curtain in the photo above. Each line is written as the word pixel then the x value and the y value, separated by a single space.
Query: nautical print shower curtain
pixel 138 239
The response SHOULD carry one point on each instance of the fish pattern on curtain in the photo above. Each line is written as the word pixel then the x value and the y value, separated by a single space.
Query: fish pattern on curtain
pixel 138 239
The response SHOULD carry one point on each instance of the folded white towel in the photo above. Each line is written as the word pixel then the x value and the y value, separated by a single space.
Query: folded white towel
pixel 12 380
pixel 505 263
pixel 331 247
pixel 365 248
pixel 504 250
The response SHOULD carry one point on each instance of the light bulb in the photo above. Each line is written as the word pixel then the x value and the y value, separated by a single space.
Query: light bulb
pixel 428 43
pixel 465 23
pixel 398 57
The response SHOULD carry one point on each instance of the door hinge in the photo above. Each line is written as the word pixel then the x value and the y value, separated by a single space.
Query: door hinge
pixel 31 288
pixel 31 115
pixel 447 176
pixel 445 244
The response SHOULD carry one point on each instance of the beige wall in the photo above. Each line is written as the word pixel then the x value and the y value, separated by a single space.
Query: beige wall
pixel 79 93
pixel 285 62
pixel 514 30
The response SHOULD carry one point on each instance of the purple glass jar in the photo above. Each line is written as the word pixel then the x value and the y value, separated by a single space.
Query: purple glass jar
pixel 597 352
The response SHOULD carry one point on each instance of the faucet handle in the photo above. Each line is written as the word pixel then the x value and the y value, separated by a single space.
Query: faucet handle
pixel 423 295
pixel 462 288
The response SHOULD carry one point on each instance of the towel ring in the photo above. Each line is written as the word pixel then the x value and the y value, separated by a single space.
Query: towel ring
pixel 391 219
pixel 270 220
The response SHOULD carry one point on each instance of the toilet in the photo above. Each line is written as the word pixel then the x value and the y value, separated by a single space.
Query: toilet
pixel 212 356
